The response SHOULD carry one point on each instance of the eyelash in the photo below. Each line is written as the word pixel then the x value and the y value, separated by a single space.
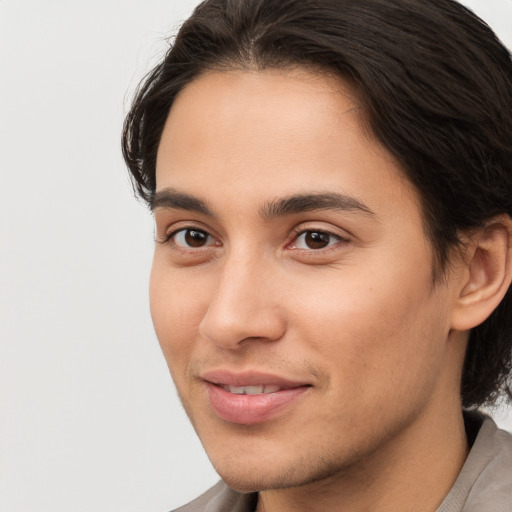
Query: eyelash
pixel 168 238
pixel 334 239
pixel 298 233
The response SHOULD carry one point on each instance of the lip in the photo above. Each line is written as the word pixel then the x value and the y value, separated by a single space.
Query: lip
pixel 250 409
pixel 250 378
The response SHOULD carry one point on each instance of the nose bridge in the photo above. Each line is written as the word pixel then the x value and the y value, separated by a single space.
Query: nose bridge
pixel 242 307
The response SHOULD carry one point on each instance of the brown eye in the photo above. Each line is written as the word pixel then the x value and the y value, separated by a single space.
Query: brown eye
pixel 195 238
pixel 192 238
pixel 315 240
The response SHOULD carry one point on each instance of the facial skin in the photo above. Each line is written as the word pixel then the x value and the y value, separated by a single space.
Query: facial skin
pixel 338 299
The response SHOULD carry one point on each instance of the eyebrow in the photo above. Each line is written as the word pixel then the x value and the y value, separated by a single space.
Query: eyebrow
pixel 293 204
pixel 170 198
pixel 317 201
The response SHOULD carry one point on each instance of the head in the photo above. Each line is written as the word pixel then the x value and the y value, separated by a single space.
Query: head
pixel 412 100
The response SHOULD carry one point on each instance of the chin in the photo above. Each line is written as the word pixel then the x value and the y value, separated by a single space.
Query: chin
pixel 257 481
pixel 257 474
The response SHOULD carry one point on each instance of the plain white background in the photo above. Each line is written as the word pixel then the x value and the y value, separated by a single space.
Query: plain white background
pixel 90 421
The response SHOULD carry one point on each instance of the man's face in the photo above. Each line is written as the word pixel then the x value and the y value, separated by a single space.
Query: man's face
pixel 291 288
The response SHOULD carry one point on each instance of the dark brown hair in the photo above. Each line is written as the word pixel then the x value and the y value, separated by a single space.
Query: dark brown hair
pixel 435 85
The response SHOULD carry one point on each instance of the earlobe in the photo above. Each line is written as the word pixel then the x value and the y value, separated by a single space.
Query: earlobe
pixel 487 273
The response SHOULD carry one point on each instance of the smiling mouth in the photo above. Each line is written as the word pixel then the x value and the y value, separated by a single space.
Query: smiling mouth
pixel 251 390
pixel 252 403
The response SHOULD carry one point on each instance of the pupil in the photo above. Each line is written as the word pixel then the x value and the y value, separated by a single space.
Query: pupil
pixel 316 240
pixel 195 238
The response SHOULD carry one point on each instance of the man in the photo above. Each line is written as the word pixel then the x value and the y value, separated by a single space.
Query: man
pixel 331 182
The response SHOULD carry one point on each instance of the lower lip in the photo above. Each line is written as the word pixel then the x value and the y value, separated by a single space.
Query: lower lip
pixel 251 409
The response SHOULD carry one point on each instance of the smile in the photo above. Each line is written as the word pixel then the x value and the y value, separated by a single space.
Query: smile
pixel 251 390
pixel 251 398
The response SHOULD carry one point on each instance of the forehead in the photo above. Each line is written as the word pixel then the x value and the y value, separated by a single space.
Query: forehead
pixel 262 135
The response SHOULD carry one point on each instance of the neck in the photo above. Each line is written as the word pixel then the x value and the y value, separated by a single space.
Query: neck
pixel 413 471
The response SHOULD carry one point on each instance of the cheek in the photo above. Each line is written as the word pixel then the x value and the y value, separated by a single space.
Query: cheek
pixel 177 307
pixel 378 336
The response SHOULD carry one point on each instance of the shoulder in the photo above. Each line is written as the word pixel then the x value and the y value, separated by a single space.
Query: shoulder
pixel 485 481
pixel 221 498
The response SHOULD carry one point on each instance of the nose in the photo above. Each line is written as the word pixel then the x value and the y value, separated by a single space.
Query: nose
pixel 244 306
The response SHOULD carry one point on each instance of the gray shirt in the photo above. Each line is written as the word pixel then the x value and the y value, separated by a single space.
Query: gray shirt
pixel 485 481
pixel 483 485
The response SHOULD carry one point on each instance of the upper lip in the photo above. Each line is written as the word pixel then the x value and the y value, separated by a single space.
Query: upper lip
pixel 250 378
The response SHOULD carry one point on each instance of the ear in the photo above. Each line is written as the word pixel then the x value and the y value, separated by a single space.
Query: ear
pixel 487 273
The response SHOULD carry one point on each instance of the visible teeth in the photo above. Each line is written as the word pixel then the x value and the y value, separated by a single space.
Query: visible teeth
pixel 251 390
pixel 236 390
